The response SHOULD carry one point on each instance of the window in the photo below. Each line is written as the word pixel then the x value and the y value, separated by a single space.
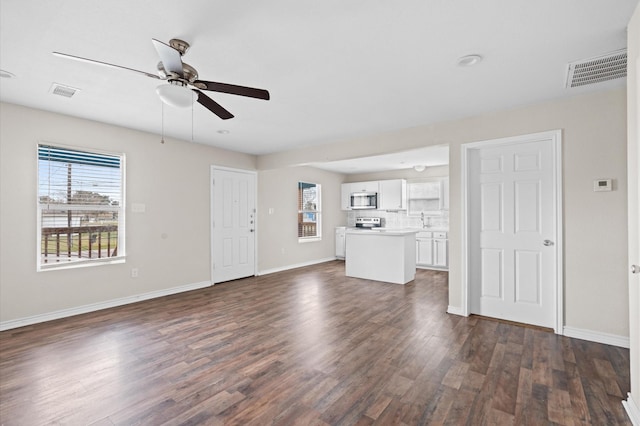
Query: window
pixel 80 207
pixel 308 211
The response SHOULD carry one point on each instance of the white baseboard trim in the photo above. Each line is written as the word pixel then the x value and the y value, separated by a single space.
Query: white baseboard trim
pixel 632 410
pixel 455 310
pixel 297 265
pixel 596 336
pixel 64 313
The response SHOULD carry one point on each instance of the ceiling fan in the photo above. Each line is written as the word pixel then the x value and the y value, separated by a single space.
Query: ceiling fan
pixel 182 79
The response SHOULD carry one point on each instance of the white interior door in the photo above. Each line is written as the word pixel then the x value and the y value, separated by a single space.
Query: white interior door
pixel 233 224
pixel 513 231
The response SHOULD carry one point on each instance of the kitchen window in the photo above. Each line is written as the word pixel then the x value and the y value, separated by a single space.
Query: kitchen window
pixel 309 228
pixel 80 207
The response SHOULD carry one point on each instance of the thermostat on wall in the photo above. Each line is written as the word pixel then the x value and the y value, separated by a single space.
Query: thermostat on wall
pixel 602 185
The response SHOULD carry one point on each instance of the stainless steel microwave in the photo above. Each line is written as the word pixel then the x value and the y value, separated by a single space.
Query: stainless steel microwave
pixel 364 200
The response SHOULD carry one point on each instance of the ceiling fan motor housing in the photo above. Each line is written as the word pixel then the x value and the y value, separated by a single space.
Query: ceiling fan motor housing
pixel 180 45
pixel 190 74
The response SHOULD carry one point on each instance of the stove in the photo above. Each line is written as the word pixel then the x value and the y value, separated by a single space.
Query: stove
pixel 368 222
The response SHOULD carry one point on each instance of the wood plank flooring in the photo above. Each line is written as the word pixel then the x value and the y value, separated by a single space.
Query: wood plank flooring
pixel 305 347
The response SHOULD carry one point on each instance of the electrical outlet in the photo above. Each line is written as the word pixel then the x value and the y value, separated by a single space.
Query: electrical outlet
pixel 134 272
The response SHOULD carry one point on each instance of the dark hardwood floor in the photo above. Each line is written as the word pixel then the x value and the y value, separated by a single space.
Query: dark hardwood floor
pixel 307 347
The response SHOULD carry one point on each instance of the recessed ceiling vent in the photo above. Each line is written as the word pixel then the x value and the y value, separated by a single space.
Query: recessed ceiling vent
pixel 62 90
pixel 595 70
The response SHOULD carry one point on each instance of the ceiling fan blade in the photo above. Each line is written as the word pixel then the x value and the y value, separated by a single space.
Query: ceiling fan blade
pixel 212 106
pixel 233 89
pixel 169 56
pixel 106 64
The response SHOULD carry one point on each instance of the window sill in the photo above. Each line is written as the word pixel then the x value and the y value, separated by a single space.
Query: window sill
pixel 309 239
pixel 81 264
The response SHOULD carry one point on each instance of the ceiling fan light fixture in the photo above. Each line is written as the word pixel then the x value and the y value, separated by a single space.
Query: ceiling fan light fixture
pixel 175 94
pixel 419 168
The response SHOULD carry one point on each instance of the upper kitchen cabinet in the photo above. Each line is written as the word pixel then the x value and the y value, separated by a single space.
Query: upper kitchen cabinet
pixel 345 196
pixel 392 194
pixel 428 196
pixel 371 186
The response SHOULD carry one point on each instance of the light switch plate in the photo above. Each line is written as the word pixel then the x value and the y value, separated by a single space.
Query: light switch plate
pixel 138 207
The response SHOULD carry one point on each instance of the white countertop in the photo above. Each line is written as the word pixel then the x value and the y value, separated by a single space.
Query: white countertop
pixel 382 231
pixel 351 229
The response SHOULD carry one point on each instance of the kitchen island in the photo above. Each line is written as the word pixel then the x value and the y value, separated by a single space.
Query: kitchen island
pixel 387 255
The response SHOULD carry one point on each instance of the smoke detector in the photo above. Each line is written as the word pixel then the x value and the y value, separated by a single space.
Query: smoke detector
pixel 598 69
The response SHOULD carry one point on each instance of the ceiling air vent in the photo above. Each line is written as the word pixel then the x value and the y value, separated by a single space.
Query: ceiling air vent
pixel 595 70
pixel 62 90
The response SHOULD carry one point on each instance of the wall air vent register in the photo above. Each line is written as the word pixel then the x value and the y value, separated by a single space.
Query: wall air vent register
pixel 598 69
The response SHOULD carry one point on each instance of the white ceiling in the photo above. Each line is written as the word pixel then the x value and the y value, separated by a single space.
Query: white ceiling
pixel 335 69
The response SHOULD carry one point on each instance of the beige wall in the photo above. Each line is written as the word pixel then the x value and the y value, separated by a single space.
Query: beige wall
pixel 171 179
pixel 595 231
pixel 278 245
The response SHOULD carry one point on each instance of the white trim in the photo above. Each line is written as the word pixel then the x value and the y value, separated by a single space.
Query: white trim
pixel 212 169
pixel 632 410
pixel 433 268
pixel 556 138
pixel 596 336
pixel 50 316
pixel 297 265
pixel 455 310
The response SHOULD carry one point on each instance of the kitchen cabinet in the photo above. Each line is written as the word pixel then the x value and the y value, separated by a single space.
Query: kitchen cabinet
pixel 345 196
pixel 432 250
pixel 392 194
pixel 371 186
pixel 340 242
pixel 440 249
pixel 444 190
pixel 424 249
pixel 428 196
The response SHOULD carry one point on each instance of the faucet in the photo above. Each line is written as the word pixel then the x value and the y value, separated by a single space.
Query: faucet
pixel 428 223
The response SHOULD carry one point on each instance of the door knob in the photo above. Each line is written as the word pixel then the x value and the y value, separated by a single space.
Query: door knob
pixel 635 269
pixel 548 243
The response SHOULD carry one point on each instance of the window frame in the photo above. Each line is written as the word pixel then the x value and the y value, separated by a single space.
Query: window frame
pixel 41 266
pixel 302 211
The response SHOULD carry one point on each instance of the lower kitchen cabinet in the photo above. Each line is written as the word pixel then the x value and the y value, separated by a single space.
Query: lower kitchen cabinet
pixel 440 253
pixel 432 250
pixel 340 242
pixel 424 249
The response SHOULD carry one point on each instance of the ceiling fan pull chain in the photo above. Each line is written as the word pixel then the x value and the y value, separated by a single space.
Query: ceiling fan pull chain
pixel 162 121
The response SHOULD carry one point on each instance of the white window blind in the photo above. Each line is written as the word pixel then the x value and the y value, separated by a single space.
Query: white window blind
pixel 80 202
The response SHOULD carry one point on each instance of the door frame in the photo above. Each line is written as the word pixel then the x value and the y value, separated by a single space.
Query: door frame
pixel 556 140
pixel 212 200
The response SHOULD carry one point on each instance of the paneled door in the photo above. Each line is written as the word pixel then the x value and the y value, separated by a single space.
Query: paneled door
pixel 233 224
pixel 513 231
